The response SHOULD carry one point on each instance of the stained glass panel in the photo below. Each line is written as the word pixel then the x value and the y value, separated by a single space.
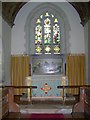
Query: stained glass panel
pixel 52 15
pixel 38 21
pixel 56 20
pixel 46 14
pixel 47 39
pixel 38 49
pixel 38 34
pixel 56 49
pixel 47 31
pixel 47 22
pixel 47 49
pixel 56 34
pixel 41 16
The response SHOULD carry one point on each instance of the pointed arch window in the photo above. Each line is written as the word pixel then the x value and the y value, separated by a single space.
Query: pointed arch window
pixel 47 34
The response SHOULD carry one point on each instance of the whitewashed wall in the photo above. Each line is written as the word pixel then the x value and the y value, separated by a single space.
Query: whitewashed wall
pixel 0 43
pixel 76 33
pixel 87 50
pixel 0 49
pixel 6 47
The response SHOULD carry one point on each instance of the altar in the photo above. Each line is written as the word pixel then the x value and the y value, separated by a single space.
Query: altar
pixel 47 87
pixel 47 72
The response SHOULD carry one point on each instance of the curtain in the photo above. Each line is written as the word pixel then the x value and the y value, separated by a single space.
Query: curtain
pixel 19 71
pixel 76 70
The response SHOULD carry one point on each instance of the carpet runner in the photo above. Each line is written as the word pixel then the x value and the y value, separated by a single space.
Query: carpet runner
pixel 46 116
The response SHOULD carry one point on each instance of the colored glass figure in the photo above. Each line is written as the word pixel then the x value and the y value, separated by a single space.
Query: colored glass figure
pixel 47 49
pixel 56 49
pixel 38 35
pixel 56 34
pixel 47 31
pixel 47 39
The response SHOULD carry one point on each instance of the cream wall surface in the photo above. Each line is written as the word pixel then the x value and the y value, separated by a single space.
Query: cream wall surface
pixel 0 49
pixel 0 43
pixel 87 50
pixel 6 42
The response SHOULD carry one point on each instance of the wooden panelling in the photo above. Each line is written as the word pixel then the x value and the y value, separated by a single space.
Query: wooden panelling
pixel 4 102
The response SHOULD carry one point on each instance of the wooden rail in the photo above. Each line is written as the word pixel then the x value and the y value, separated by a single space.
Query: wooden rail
pixel 59 87
pixel 23 87
pixel 28 87
pixel 71 86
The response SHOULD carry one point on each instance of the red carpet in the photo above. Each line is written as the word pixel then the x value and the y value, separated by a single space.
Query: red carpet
pixel 46 116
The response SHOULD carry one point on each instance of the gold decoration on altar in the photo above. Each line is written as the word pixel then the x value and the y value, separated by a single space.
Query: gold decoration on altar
pixel 63 80
pixel 63 83
pixel 28 83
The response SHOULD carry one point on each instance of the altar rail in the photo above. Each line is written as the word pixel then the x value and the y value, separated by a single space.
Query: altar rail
pixel 59 87
pixel 23 87
pixel 72 87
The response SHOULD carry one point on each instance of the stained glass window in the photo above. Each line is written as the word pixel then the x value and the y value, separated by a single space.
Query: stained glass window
pixel 38 38
pixel 56 38
pixel 47 34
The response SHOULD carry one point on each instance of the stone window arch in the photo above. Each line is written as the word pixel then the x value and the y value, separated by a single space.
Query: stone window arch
pixel 31 24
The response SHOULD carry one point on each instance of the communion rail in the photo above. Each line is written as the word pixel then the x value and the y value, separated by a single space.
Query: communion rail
pixel 63 88
pixel 80 106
